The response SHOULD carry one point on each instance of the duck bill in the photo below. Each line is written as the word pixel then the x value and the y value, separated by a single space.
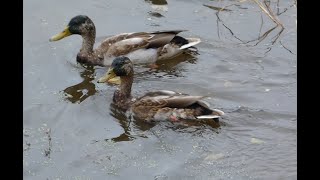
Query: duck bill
pixel 65 33
pixel 108 76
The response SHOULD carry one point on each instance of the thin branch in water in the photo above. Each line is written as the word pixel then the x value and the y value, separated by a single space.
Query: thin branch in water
pixel 268 11
pixel 218 26
pixel 286 48
pixel 271 12
pixel 266 3
pixel 269 49
pixel 285 9
pixel 261 25
pixel 278 35
pixel 28 146
pixel 265 35
pixel 278 7
pixel 262 37
pixel 217 8
pixel 218 18
pixel 48 151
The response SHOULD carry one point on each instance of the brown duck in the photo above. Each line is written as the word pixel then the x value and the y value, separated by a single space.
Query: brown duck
pixel 158 105
pixel 140 47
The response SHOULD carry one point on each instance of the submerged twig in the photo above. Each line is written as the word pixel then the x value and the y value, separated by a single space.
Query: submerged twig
pixel 217 8
pixel 218 26
pixel 268 11
pixel 265 35
pixel 261 25
pixel 269 49
pixel 265 7
pixel 218 19
pixel 277 36
pixel 28 146
pixel 285 9
pixel 278 7
pixel 262 37
pixel 48 151
pixel 286 48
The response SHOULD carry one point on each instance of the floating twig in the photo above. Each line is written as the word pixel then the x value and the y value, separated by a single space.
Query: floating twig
pixel 218 19
pixel 28 146
pixel 268 11
pixel 261 25
pixel 269 49
pixel 217 8
pixel 47 152
pixel 286 48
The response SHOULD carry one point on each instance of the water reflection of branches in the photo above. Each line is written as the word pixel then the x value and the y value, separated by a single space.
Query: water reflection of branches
pixel 286 48
pixel 79 92
pixel 278 9
pixel 219 20
pixel 266 9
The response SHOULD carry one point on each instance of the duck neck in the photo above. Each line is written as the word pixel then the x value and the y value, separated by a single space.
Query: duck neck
pixel 88 42
pixel 126 84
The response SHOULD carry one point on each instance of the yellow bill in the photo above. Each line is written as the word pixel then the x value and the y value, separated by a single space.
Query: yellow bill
pixel 65 33
pixel 110 77
pixel 115 80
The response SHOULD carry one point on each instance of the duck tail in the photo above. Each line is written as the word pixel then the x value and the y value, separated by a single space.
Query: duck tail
pixel 185 43
pixel 215 115
pixel 191 42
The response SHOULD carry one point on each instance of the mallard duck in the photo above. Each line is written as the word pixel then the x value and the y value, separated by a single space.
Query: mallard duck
pixel 140 47
pixel 158 105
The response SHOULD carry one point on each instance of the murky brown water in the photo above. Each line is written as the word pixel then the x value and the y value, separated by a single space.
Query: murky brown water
pixel 89 139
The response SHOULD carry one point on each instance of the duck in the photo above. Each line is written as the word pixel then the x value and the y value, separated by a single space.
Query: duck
pixel 161 105
pixel 140 47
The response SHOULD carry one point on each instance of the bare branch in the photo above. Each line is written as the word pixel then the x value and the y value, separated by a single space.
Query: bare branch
pixel 286 48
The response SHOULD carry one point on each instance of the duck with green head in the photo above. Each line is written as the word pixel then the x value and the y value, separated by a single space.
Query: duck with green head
pixel 140 47
pixel 158 105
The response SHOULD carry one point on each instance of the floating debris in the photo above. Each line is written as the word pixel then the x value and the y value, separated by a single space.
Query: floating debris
pixel 28 146
pixel 227 84
pixel 155 14
pixel 214 157
pixel 256 141
pixel 160 177
pixel 216 8
pixel 158 2
pixel 47 152
pixel 163 8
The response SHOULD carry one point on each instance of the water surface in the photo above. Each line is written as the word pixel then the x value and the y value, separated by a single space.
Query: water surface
pixel 72 132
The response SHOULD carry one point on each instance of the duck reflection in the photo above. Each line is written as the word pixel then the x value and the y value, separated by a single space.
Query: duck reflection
pixel 79 92
pixel 128 124
pixel 157 2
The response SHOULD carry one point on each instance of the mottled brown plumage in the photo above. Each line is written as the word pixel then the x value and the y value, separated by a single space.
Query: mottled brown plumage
pixel 158 105
pixel 144 47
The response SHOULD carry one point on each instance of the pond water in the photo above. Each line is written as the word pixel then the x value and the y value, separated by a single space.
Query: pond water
pixel 72 132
